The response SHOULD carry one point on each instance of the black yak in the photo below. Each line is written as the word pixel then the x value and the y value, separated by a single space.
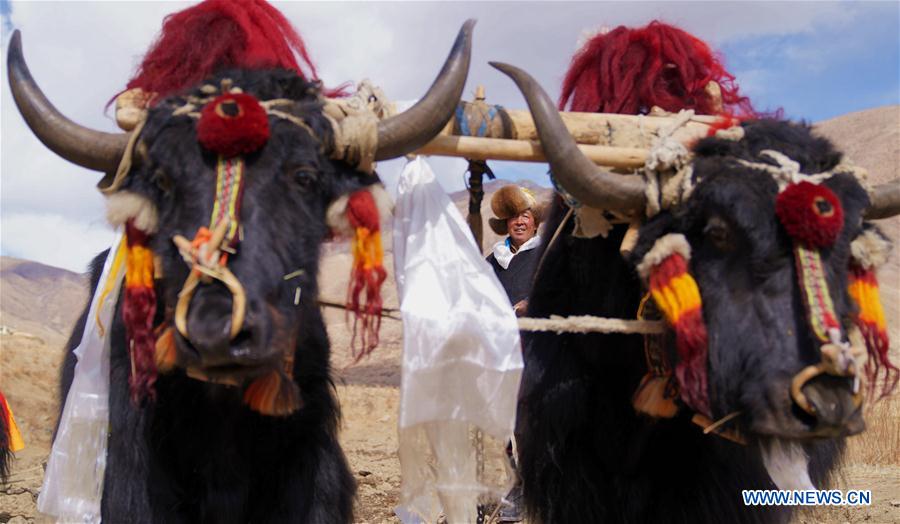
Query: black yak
pixel 585 454
pixel 196 452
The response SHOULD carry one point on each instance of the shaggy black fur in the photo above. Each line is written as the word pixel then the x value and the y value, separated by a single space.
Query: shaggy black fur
pixel 197 454
pixel 585 455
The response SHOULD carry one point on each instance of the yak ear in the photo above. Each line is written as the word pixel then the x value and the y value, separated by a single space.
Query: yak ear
pixel 381 206
pixel 661 224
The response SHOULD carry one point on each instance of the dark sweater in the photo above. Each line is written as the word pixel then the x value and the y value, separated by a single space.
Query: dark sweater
pixel 517 278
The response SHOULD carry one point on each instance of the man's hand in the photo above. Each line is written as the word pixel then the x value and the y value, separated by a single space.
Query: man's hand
pixel 521 307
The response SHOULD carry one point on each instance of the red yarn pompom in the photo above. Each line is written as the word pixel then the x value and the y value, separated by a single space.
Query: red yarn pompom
pixel 233 124
pixel 810 213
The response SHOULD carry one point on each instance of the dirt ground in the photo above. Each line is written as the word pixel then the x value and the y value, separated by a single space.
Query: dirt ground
pixel 369 395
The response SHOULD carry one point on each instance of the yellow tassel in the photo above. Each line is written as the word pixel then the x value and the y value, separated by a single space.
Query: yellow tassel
pixel 110 282
pixel 275 395
pixel 866 295
pixel 16 442
pixel 139 267
pixel 677 297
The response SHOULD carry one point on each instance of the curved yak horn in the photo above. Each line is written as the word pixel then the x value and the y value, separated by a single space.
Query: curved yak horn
pixel 414 127
pixel 78 144
pixel 885 200
pixel 577 174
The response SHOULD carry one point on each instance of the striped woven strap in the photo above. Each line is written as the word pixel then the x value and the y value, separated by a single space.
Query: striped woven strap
pixel 229 188
pixel 814 288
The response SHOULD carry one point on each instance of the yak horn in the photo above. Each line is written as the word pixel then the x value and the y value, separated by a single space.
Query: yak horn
pixel 414 127
pixel 885 200
pixel 78 144
pixel 576 173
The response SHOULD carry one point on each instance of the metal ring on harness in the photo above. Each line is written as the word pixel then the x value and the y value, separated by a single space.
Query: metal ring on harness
pixel 238 299
pixel 829 365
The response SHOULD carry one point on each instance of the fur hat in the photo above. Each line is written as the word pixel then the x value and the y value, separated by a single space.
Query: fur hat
pixel 508 202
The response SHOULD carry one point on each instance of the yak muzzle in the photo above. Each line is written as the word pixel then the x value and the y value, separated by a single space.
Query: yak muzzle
pixel 836 408
pixel 208 349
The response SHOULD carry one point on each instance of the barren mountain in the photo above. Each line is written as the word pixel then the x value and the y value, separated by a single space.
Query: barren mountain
pixel 38 299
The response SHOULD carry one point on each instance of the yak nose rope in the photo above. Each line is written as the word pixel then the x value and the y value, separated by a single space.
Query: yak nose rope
pixel 839 359
pixel 204 255
pixel 273 394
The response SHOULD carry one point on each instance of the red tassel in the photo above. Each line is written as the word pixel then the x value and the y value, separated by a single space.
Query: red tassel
pixel 368 272
pixel 691 342
pixel 863 289
pixel 678 297
pixel 138 312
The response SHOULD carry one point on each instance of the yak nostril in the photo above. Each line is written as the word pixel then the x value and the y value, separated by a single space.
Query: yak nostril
pixel 209 323
pixel 241 345
pixel 832 399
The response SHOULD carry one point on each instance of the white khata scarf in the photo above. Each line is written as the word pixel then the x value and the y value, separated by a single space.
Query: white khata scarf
pixel 504 254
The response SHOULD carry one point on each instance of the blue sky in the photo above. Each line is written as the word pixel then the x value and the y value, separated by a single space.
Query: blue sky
pixel 817 60
pixel 838 67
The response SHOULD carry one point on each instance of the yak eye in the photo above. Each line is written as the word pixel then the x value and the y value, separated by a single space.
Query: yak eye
pixel 162 180
pixel 306 176
pixel 718 233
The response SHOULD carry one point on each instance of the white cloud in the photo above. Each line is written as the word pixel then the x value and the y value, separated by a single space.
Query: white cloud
pixel 82 53
pixel 53 239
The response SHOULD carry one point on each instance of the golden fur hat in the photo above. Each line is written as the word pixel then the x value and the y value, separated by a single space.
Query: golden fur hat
pixel 509 201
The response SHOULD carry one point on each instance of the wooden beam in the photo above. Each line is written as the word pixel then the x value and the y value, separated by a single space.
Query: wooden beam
pixel 526 151
pixel 603 129
pixel 607 129
pixel 608 139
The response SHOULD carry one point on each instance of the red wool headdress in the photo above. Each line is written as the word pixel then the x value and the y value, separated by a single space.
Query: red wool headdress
pixel 629 71
pixel 219 34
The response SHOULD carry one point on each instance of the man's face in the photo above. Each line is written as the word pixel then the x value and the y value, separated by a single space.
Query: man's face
pixel 521 227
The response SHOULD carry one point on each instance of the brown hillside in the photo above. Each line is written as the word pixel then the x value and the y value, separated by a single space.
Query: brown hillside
pixel 40 299
pixel 871 139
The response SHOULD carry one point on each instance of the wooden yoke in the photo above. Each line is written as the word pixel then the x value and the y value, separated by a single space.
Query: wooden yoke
pixel 619 141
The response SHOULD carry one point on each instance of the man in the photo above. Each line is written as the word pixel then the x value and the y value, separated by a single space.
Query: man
pixel 515 258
